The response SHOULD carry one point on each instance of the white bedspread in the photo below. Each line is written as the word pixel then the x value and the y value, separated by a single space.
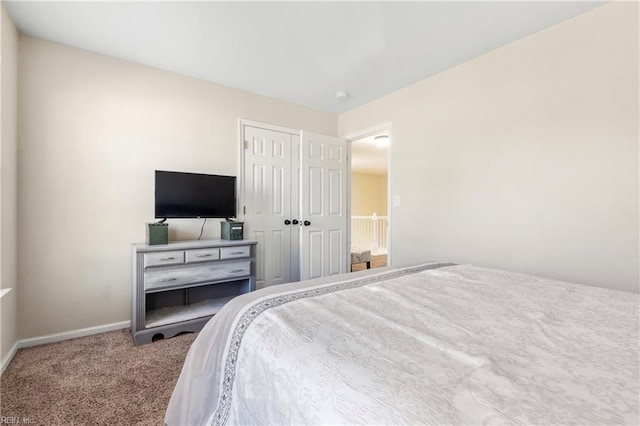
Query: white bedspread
pixel 450 345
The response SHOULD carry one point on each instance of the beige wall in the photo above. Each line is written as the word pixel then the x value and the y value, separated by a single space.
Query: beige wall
pixel 8 182
pixel 525 158
pixel 93 130
pixel 368 194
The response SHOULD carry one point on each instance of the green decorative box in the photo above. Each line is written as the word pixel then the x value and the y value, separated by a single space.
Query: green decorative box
pixel 157 233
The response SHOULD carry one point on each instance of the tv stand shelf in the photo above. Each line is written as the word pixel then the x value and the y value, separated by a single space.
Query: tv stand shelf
pixel 178 287
pixel 175 314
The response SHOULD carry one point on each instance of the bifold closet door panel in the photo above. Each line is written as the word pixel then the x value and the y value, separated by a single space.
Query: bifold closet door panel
pixel 323 205
pixel 267 184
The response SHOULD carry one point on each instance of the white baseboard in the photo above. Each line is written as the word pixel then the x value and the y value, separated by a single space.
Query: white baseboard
pixel 59 337
pixel 7 359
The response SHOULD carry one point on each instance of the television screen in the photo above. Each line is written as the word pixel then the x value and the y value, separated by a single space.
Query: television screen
pixel 193 195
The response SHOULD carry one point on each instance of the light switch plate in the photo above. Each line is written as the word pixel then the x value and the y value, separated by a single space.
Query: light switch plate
pixel 396 201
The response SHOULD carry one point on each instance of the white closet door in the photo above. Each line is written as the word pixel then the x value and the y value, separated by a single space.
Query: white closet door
pixel 323 205
pixel 267 202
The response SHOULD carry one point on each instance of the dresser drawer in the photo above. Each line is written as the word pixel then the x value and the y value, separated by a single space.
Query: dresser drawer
pixel 233 252
pixel 163 258
pixel 202 255
pixel 210 272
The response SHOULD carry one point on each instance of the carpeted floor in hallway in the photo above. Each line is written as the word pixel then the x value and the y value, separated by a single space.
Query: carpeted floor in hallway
pixel 377 261
pixel 96 380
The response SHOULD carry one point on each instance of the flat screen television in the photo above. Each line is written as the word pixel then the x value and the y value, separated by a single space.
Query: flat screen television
pixel 194 195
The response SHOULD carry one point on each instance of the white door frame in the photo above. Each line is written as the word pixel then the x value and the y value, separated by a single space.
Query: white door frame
pixel 353 136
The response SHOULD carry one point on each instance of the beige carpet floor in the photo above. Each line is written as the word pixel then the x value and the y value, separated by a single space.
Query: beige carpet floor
pixel 97 380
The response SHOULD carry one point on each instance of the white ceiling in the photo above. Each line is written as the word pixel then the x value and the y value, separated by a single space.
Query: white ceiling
pixel 368 156
pixel 298 52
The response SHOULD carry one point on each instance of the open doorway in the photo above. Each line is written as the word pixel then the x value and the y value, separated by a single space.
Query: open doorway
pixel 369 201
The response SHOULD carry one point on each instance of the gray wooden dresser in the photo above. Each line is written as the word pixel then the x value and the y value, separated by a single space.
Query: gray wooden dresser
pixel 178 287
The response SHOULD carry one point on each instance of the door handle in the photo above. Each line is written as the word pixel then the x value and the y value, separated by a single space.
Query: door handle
pixel 307 223
pixel 287 222
pixel 295 221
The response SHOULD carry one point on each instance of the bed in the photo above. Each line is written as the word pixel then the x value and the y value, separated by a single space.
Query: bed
pixel 434 343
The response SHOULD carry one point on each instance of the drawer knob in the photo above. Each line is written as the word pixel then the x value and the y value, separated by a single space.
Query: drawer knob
pixel 168 280
pixel 164 259
pixel 235 271
pixel 238 252
pixel 204 255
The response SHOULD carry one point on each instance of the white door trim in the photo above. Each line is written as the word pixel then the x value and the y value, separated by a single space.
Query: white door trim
pixel 350 137
pixel 370 131
pixel 267 126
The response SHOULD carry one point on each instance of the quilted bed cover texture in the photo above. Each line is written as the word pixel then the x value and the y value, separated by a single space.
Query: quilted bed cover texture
pixel 428 344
